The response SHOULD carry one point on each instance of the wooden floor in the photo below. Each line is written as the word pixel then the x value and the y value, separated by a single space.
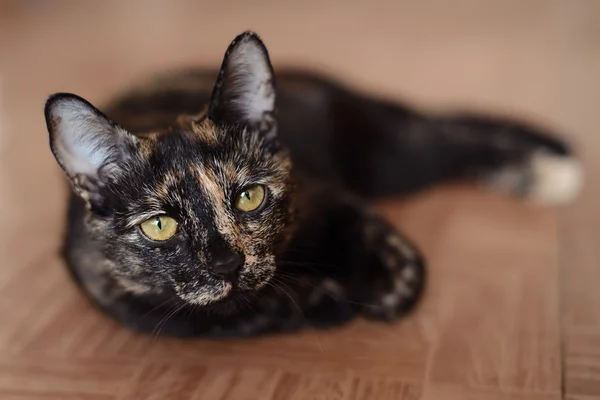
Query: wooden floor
pixel 513 306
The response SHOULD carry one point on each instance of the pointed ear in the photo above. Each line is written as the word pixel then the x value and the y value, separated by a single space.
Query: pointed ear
pixel 245 90
pixel 86 144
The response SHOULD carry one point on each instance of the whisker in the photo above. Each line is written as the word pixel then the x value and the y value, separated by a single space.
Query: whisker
pixel 245 297
pixel 318 269
pixel 293 279
pixel 158 306
pixel 164 321
pixel 309 251
pixel 305 263
pixel 299 310
pixel 191 311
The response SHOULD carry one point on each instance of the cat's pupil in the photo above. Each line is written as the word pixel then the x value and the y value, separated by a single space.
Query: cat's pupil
pixel 158 223
pixel 246 194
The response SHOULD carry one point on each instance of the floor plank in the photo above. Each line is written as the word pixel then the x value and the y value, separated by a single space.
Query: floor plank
pixel 511 305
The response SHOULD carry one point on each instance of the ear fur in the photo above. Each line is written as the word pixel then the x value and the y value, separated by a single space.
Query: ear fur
pixel 87 145
pixel 245 90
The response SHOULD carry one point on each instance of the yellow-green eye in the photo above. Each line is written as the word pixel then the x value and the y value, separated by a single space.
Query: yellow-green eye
pixel 250 199
pixel 159 228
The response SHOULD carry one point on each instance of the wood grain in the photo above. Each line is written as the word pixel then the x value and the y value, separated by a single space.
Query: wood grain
pixel 512 308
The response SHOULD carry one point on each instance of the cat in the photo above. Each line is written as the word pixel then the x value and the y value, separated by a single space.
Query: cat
pixel 237 202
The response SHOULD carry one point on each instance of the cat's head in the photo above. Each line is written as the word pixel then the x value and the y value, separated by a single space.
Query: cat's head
pixel 201 210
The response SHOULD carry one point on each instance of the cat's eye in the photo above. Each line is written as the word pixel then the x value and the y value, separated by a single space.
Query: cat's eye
pixel 159 227
pixel 250 198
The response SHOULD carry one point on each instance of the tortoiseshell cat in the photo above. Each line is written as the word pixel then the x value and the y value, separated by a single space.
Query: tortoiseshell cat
pixel 243 209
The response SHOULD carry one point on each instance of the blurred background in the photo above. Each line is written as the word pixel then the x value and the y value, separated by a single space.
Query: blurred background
pixel 512 310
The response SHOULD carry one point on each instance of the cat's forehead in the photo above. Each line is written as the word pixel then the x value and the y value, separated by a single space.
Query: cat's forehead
pixel 199 152
pixel 204 131
pixel 202 138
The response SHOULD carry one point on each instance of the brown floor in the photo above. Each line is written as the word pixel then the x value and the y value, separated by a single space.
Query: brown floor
pixel 512 310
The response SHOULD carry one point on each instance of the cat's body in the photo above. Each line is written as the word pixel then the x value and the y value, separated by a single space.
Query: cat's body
pixel 313 253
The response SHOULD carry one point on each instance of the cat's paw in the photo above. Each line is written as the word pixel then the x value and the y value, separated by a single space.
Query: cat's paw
pixel 402 291
pixel 393 276
pixel 327 305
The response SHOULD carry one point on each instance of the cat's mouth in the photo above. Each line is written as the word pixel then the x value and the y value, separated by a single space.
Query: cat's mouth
pixel 251 279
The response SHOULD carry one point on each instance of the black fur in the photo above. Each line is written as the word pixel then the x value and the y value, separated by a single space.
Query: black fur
pixel 333 257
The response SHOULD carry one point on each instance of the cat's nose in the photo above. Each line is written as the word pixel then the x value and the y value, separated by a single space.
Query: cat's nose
pixel 226 266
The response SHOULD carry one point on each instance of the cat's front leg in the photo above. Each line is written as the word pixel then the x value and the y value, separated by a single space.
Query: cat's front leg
pixel 345 262
pixel 283 307
pixel 388 271
pixel 357 258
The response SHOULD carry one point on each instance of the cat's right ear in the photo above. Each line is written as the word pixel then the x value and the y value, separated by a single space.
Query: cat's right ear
pixel 86 144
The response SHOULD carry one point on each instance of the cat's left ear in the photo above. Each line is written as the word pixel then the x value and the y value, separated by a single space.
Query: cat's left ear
pixel 245 90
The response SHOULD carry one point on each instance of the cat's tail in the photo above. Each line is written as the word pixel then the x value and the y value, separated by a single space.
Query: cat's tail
pixel 513 157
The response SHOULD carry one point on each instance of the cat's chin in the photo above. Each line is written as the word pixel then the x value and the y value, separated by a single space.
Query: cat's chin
pixel 235 301
pixel 204 296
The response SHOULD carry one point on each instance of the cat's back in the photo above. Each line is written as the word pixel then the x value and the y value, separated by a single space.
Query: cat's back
pixel 156 103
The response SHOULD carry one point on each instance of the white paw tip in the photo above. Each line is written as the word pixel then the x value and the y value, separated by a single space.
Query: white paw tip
pixel 556 179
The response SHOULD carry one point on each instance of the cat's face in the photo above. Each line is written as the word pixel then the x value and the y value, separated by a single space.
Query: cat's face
pixel 201 210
